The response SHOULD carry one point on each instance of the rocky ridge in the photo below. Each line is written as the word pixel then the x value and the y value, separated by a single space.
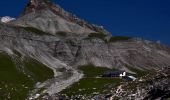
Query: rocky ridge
pixel 43 11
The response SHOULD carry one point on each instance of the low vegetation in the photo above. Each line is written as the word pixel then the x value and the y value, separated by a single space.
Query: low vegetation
pixel 36 31
pixel 14 84
pixel 63 34
pixel 119 38
pixel 91 71
pixel 92 83
pixel 97 35
pixel 46 1
pixel 39 71
pixel 139 73
pixel 112 39
pixel 89 86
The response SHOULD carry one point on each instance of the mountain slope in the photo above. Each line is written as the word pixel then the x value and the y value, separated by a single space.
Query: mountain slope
pixel 53 39
pixel 40 48
pixel 137 53
pixel 17 79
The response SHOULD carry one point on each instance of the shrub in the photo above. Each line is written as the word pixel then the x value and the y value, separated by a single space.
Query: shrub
pixel 97 35
pixel 63 34
pixel 119 38
pixel 46 1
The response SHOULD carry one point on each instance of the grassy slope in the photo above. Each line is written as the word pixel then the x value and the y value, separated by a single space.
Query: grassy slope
pixel 39 71
pixel 88 86
pixel 91 71
pixel 17 85
pixel 91 83
pixel 12 82
pixel 139 73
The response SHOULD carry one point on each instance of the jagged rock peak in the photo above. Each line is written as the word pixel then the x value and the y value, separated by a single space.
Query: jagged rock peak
pixel 34 5
pixel 42 5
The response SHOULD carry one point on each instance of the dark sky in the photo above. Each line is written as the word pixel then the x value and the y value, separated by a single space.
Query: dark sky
pixel 149 19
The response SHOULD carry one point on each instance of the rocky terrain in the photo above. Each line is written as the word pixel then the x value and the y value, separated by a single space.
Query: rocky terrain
pixel 62 42
pixel 150 87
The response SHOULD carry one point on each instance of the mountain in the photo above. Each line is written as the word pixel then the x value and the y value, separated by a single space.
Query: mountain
pixel 47 47
pixel 51 18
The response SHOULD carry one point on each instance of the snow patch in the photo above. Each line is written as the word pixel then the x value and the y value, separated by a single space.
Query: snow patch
pixel 9 51
pixel 7 19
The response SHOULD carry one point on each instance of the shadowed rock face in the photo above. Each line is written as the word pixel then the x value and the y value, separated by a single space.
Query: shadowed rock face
pixel 35 5
pixel 137 53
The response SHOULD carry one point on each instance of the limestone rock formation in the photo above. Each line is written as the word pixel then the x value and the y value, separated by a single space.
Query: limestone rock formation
pixel 138 53
pixel 49 17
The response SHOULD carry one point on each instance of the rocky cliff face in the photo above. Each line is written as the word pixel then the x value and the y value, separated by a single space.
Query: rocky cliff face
pixel 135 52
pixel 58 39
